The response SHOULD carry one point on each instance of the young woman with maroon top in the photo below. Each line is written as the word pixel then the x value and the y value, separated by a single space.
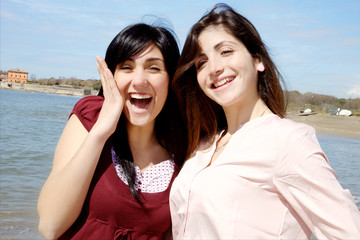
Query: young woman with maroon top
pixel 120 151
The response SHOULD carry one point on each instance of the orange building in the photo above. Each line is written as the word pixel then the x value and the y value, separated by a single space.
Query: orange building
pixel 17 75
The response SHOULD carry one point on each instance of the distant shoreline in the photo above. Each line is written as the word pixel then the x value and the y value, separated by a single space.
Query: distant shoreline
pixel 59 90
pixel 333 125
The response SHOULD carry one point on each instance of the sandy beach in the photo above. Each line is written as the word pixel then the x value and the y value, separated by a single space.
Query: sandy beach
pixel 327 124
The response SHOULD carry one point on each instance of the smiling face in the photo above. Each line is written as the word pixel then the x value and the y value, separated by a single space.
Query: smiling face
pixel 143 81
pixel 226 71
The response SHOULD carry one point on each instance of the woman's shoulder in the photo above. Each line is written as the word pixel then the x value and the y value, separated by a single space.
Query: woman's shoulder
pixel 87 110
pixel 285 126
pixel 89 101
pixel 292 133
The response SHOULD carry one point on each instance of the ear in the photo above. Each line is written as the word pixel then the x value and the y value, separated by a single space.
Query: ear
pixel 259 66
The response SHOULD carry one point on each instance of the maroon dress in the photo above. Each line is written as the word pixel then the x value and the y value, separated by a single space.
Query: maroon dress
pixel 109 210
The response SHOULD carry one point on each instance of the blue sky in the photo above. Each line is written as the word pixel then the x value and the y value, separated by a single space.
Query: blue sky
pixel 316 44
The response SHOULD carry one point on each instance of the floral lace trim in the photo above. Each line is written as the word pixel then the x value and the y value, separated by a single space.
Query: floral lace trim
pixel 155 179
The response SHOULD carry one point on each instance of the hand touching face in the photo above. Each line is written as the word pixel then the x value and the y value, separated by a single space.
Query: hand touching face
pixel 113 102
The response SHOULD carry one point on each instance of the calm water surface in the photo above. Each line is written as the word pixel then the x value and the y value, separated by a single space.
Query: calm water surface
pixel 30 126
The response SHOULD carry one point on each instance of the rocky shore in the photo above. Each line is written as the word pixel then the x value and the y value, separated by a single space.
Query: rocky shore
pixel 63 90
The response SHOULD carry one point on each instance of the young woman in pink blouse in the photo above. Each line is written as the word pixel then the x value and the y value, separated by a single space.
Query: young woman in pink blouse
pixel 252 174
pixel 120 151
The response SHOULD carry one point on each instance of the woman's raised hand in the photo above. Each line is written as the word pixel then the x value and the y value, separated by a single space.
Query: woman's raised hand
pixel 113 103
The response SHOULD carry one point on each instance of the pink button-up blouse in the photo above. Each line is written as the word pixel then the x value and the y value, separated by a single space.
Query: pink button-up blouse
pixel 272 181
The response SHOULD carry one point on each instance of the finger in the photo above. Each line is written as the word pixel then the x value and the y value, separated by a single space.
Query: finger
pixel 100 70
pixel 107 78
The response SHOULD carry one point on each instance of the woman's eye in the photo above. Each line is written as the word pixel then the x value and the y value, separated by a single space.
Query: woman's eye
pixel 154 69
pixel 125 67
pixel 200 64
pixel 226 51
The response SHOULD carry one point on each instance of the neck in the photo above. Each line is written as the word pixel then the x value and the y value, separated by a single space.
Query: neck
pixel 144 146
pixel 243 112
pixel 141 137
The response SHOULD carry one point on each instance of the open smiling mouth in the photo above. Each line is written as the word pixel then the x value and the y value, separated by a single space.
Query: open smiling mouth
pixel 140 100
pixel 222 82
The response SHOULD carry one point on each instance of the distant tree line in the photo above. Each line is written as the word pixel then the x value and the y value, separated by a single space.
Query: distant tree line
pixel 67 82
pixel 320 102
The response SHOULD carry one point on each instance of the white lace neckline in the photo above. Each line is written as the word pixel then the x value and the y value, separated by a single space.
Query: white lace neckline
pixel 155 178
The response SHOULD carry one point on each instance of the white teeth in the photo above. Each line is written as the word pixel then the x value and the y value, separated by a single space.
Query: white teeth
pixel 140 96
pixel 222 82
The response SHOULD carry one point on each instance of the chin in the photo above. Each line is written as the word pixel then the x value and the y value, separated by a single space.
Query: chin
pixel 142 122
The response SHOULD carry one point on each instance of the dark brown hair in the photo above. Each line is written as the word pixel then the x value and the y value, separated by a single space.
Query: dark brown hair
pixel 204 116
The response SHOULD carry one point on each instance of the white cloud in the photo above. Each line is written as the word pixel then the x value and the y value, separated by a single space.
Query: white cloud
pixel 354 91
pixel 7 14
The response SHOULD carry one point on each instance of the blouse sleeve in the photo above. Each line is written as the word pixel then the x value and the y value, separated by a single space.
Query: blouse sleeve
pixel 87 110
pixel 310 186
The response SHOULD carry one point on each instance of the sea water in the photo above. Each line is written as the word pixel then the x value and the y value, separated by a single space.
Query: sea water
pixel 30 126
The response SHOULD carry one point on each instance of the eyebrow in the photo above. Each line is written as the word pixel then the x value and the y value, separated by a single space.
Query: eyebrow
pixel 148 59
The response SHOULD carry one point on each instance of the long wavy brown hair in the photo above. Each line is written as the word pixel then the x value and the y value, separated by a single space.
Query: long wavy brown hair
pixel 204 116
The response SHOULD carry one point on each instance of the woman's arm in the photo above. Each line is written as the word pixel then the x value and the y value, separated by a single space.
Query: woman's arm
pixel 310 186
pixel 61 199
pixel 75 160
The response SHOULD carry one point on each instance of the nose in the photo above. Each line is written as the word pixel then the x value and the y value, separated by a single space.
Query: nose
pixel 215 66
pixel 139 78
